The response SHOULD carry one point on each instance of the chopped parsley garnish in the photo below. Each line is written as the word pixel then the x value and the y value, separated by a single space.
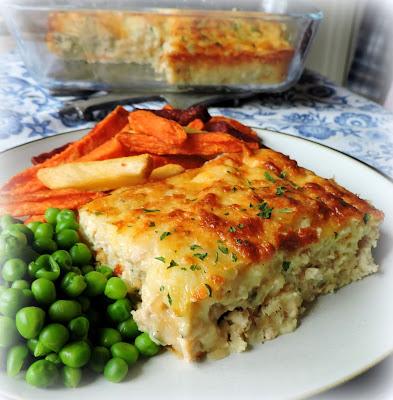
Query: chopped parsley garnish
pixel 240 226
pixel 232 229
pixel 164 235
pixel 251 206
pixel 216 260
pixel 209 289
pixel 147 210
pixel 162 288
pixel 295 185
pixel 366 218
pixel 169 299
pixel 162 259
pixel 285 210
pixel 269 177
pixel 286 265
pixel 223 249
pixel 172 264
pixel 195 267
pixel 249 184
pixel 335 235
pixel 201 256
pixel 183 268
pixel 152 224
pixel 195 247
pixel 234 257
pixel 226 213
pixel 234 189
pixel 280 190
pixel 239 241
pixel 264 210
pixel 283 174
pixel 98 213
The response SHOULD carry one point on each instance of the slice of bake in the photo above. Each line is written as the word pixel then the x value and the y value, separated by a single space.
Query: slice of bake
pixel 232 253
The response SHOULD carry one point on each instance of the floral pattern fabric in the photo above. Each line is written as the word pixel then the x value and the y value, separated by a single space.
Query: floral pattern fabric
pixel 315 109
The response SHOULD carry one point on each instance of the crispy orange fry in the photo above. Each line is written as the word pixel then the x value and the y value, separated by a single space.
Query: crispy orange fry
pixel 26 181
pixel 71 201
pixel 245 130
pixel 196 124
pixel 165 130
pixel 109 149
pixel 202 144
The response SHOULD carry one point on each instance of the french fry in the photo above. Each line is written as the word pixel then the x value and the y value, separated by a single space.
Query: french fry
pixel 98 175
pixel 196 124
pixel 166 171
pixel 165 130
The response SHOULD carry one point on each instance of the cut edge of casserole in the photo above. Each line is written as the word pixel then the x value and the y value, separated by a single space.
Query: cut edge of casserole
pixel 232 253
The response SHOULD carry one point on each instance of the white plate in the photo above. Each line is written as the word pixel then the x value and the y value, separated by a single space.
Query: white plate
pixel 342 335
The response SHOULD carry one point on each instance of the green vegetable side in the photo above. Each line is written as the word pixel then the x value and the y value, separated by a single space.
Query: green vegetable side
pixel 60 315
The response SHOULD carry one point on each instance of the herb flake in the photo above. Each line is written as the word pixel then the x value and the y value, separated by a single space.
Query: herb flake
pixel 209 289
pixel 164 235
pixel 286 265
pixel 201 256
pixel 232 229
pixel 223 249
pixel 169 299
pixel 195 267
pixel 366 218
pixel 172 264
pixel 269 177
pixel 234 257
pixel 280 190
pixel 150 210
pixel 195 247
pixel 264 210
pixel 162 259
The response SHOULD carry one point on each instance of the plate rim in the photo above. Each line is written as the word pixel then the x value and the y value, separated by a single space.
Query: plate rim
pixel 389 179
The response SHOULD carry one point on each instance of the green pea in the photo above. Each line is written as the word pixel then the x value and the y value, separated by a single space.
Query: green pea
pixel 34 225
pixel 128 329
pixel 71 376
pixel 44 291
pixel 44 245
pixel 115 288
pixel 11 300
pixel 116 370
pixel 41 350
pixel 21 228
pixel 16 358
pixel 64 310
pixel 71 224
pixel 73 285
pixel 106 271
pixel 42 374
pixel 6 220
pixel 81 254
pixel 44 267
pixel 54 358
pixel 63 258
pixel 120 310
pixel 76 270
pixel 8 332
pixel 14 269
pixel 44 231
pixel 84 302
pixel 79 327
pixel 126 351
pixel 95 283
pixel 29 321
pixel 107 337
pixel 28 297
pixel 51 215
pixel 86 269
pixel 32 344
pixel 76 354
pixel 99 357
pixel 145 345
pixel 67 238
pixel 12 244
pixel 54 336
pixel 65 215
pixel 20 284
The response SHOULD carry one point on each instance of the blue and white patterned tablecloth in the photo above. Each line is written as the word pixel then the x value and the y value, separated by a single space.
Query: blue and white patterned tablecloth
pixel 315 109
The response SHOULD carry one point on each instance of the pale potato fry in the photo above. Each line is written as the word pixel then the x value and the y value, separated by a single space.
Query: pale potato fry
pixel 98 175
pixel 166 171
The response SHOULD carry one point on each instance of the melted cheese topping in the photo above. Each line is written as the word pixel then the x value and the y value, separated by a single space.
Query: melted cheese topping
pixel 199 231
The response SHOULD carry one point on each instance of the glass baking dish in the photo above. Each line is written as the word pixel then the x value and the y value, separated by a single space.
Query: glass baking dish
pixel 169 46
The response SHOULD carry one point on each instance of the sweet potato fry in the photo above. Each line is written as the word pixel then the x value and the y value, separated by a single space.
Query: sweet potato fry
pixel 187 162
pixel 103 131
pixel 71 201
pixel 244 132
pixel 165 130
pixel 202 144
pixel 109 149
pixel 196 124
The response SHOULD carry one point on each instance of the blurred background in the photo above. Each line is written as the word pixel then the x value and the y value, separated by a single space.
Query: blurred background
pixel 353 47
